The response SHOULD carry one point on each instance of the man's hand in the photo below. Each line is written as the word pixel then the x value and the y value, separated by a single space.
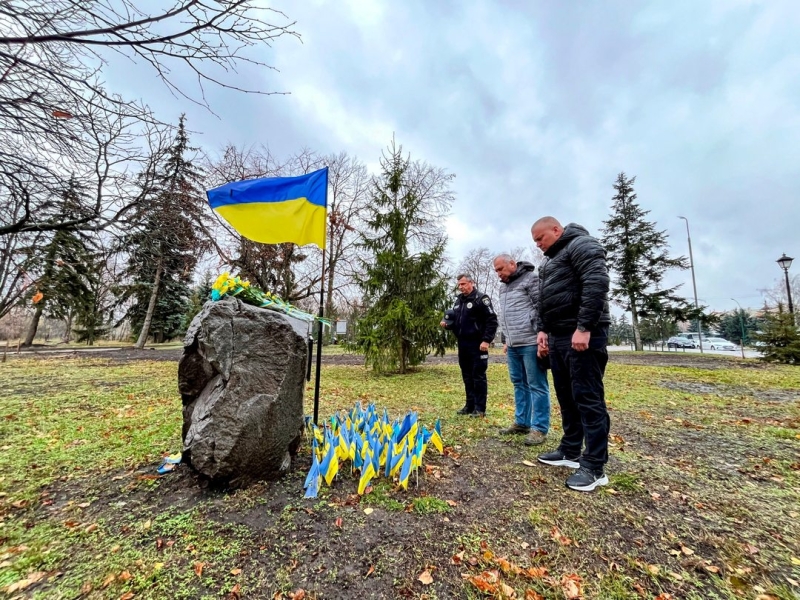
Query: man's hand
pixel 541 343
pixel 484 346
pixel 580 340
pixel 505 348
pixel 442 324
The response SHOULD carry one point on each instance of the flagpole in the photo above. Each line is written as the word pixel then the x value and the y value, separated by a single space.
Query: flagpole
pixel 321 314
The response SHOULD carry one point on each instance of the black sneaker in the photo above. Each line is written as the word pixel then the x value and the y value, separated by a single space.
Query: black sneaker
pixel 557 458
pixel 465 411
pixel 585 479
pixel 477 413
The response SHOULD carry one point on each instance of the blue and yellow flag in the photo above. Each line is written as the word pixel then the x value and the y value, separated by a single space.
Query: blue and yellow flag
pixel 274 210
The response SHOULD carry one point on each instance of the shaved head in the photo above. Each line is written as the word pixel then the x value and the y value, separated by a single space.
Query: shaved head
pixel 545 232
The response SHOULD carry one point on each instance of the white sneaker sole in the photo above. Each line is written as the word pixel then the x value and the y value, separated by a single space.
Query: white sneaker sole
pixel 564 462
pixel 588 488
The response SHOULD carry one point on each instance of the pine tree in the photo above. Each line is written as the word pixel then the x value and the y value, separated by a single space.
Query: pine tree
pixel 638 256
pixel 404 290
pixel 64 266
pixel 165 245
pixel 780 340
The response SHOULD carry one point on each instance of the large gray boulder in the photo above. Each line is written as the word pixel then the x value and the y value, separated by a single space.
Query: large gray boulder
pixel 241 377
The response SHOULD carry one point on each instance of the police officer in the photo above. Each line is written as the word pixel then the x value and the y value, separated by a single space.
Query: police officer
pixel 474 323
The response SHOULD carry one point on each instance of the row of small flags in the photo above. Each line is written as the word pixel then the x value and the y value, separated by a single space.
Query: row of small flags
pixel 371 443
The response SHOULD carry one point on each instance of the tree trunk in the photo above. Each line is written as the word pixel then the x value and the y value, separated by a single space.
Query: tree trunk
pixel 34 325
pixel 637 335
pixel 151 308
pixel 68 328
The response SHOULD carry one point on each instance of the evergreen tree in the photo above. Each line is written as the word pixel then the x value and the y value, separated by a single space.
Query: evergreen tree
pixel 201 293
pixel 405 291
pixel 637 255
pixel 164 245
pixel 780 340
pixel 738 326
pixel 64 266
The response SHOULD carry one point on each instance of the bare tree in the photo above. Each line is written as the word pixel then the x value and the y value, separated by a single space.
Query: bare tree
pixel 53 106
pixel 479 264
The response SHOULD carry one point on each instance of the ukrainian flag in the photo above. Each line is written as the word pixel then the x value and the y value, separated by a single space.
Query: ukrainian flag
pixel 276 209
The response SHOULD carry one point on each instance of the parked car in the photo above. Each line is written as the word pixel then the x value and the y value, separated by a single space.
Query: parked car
pixel 715 343
pixel 679 341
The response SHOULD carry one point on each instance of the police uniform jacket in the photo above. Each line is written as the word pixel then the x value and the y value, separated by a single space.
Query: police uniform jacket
pixel 474 318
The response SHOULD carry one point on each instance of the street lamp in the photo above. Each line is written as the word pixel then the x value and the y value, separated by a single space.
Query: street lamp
pixel 741 323
pixel 694 286
pixel 784 262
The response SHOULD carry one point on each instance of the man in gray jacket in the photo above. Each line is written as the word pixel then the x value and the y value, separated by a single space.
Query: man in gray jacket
pixel 519 301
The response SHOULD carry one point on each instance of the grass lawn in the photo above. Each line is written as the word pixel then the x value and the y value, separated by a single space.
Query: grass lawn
pixel 704 500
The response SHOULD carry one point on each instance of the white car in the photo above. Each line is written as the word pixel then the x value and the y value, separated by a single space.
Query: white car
pixel 715 343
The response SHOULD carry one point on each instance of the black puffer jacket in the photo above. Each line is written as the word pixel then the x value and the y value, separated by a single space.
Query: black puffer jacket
pixel 573 284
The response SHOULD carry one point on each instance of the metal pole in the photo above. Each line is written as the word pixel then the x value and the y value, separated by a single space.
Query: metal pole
pixel 741 323
pixel 789 291
pixel 694 285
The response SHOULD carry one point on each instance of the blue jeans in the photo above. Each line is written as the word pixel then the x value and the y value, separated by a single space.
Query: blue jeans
pixel 531 390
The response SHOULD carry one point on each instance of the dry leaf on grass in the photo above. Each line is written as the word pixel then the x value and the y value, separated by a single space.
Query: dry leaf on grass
pixel 533 595
pixel 235 571
pixel 571 586
pixel 425 577
pixel 127 596
pixel 198 568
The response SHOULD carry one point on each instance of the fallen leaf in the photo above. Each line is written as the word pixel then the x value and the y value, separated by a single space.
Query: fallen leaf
pixel 127 596
pixel 795 561
pixel 663 596
pixel 24 583
pixel 751 549
pixel 535 572
pixel 452 503
pixel 507 591
pixel 571 586
pixel 712 569
pixel 368 511
pixel 298 595
pixel 86 588
pixel 457 558
pixel 528 463
pixel 533 595
pixel 125 576
pixel 338 521
pixel 425 577
pixel 767 597
pixel 198 568
pixel 236 592
pixel 559 537
pixel 108 580
pixel 687 551
pixel 370 571
pixel 235 571
pixel 653 569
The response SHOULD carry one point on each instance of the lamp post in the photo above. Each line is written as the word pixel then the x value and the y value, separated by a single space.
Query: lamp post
pixel 784 262
pixel 694 285
pixel 741 323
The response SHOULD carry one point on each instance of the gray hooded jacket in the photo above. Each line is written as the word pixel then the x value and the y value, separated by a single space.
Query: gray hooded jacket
pixel 519 305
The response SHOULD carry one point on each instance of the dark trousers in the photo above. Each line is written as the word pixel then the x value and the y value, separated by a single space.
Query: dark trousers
pixel 473 365
pixel 578 379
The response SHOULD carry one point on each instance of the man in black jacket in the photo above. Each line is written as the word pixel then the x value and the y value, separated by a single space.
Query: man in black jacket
pixel 474 323
pixel 573 330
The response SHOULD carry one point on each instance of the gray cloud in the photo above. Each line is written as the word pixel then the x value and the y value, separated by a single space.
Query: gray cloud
pixel 536 106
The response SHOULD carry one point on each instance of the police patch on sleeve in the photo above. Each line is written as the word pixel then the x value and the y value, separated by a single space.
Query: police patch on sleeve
pixel 486 301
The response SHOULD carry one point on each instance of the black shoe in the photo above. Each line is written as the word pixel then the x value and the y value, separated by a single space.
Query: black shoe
pixel 477 413
pixel 464 411
pixel 586 479
pixel 557 458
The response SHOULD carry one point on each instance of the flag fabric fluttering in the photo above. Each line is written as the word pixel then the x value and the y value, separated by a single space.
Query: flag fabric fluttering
pixel 273 210
pixel 370 441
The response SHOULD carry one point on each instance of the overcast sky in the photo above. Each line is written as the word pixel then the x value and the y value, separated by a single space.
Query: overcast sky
pixel 536 106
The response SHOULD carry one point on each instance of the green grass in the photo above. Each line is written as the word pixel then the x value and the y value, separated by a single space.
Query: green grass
pixel 705 476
